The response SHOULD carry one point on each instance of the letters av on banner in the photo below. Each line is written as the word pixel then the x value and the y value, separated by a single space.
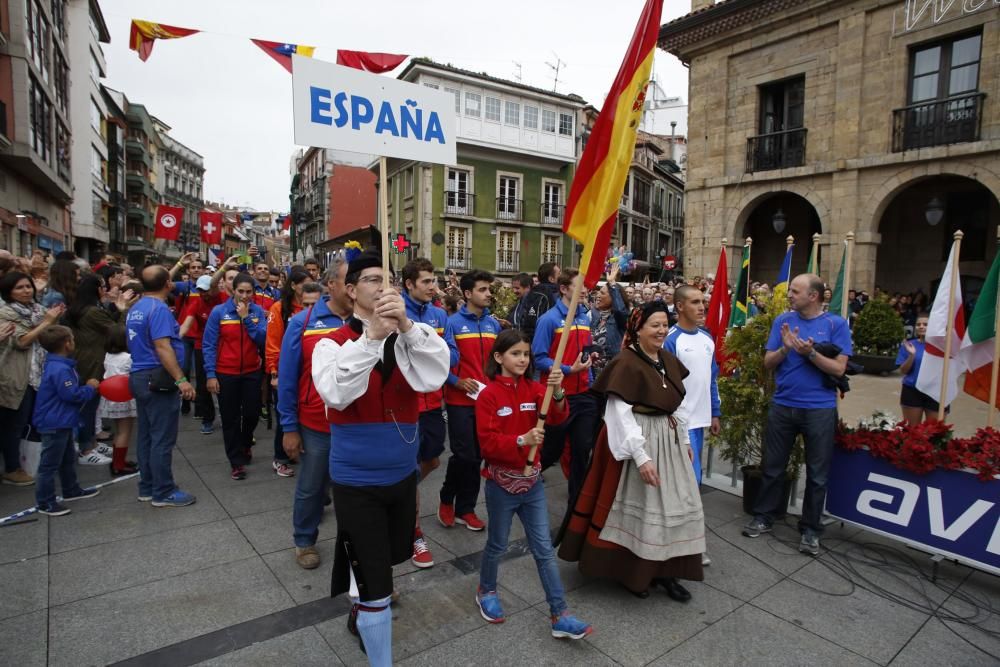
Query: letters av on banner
pixel 347 109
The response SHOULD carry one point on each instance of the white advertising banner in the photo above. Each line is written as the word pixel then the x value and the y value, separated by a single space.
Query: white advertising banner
pixel 348 109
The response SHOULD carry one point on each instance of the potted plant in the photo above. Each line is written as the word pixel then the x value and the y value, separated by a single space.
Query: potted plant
pixel 504 300
pixel 877 334
pixel 745 389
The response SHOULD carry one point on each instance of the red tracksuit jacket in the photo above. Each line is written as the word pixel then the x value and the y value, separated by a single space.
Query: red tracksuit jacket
pixel 505 409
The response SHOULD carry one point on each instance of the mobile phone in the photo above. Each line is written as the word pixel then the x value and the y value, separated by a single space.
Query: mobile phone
pixel 590 349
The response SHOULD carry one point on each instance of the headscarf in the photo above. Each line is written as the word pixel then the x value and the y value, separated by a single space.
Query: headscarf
pixel 638 318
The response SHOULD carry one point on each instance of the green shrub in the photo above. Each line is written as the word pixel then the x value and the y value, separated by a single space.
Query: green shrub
pixel 878 329
pixel 504 300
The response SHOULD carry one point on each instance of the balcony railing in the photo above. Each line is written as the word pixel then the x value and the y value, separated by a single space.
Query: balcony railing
pixel 938 122
pixel 554 257
pixel 508 261
pixel 459 202
pixel 777 150
pixel 509 208
pixel 458 257
pixel 552 214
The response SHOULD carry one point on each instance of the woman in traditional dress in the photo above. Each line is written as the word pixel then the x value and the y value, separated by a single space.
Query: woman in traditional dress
pixel 639 518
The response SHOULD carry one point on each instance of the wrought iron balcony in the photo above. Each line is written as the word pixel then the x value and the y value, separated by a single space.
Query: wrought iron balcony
pixel 553 257
pixel 552 214
pixel 938 122
pixel 458 257
pixel 459 202
pixel 510 208
pixel 777 150
pixel 508 261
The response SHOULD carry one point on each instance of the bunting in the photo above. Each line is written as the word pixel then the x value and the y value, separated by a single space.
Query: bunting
pixel 282 52
pixel 376 63
pixel 144 34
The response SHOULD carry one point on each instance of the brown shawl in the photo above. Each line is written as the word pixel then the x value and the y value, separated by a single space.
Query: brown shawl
pixel 633 377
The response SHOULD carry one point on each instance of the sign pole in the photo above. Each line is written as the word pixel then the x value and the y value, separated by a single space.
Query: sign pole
pixel 950 328
pixel 574 301
pixel 383 218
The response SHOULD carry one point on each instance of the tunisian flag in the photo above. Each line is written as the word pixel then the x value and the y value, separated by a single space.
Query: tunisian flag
pixel 931 374
pixel 596 193
pixel 717 316
pixel 370 62
pixel 211 227
pixel 168 222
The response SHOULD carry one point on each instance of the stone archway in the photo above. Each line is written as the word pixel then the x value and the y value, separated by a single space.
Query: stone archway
pixel 802 220
pixel 756 195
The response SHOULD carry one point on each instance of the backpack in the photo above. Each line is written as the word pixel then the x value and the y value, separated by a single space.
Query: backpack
pixel 532 306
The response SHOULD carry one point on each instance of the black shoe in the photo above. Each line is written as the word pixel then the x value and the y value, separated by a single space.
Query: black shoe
pixel 674 590
pixel 185 407
pixel 642 595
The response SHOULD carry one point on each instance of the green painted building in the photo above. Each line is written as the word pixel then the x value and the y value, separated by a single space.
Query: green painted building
pixel 501 206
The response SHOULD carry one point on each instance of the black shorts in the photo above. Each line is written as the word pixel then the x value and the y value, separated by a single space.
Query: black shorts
pixel 432 429
pixel 911 397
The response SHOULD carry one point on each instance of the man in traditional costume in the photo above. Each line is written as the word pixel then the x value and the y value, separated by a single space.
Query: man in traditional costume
pixel 639 517
pixel 369 374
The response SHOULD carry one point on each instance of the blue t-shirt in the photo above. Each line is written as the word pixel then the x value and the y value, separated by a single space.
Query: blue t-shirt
pixel 148 320
pixel 910 379
pixel 799 382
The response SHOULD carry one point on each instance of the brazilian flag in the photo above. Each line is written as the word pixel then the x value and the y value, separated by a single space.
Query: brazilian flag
pixel 738 318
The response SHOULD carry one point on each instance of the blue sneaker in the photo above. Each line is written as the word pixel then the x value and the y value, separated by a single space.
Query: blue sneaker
pixel 489 606
pixel 568 626
pixel 53 509
pixel 88 492
pixel 176 499
pixel 206 428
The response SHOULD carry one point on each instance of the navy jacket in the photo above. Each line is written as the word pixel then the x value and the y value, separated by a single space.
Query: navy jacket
pixel 60 396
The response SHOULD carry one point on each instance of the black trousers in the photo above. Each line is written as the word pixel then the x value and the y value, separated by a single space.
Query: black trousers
pixel 461 479
pixel 203 403
pixel 239 407
pixel 581 429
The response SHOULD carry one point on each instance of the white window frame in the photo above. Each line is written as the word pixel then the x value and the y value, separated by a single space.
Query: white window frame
pixel 546 256
pixel 559 125
pixel 470 203
pixel 562 200
pixel 477 112
pixel 518 196
pixel 458 98
pixel 508 107
pixel 554 118
pixel 487 116
pixel 467 247
pixel 513 263
pixel 534 123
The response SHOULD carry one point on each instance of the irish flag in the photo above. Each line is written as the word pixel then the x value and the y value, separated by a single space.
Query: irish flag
pixel 977 346
pixel 932 367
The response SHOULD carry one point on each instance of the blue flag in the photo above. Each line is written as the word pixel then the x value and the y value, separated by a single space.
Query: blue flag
pixel 784 275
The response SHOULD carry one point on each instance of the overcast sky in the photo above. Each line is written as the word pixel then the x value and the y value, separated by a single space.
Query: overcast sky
pixel 227 100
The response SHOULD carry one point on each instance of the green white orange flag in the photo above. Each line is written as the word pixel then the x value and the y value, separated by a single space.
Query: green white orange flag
pixel 144 33
pixel 600 177
pixel 977 345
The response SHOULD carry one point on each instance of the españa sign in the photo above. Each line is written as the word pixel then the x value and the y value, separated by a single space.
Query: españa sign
pixel 348 109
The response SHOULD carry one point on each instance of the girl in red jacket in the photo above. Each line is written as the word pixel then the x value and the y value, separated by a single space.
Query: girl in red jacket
pixel 506 417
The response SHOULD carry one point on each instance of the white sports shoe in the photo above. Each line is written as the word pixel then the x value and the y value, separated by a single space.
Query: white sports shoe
pixel 104 450
pixel 93 459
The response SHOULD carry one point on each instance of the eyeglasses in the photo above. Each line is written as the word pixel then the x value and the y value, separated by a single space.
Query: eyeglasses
pixel 371 280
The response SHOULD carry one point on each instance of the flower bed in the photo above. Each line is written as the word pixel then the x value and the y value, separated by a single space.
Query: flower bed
pixel 923 448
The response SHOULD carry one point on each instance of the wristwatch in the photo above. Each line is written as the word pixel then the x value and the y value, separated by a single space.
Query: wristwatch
pixel 812 355
pixel 520 441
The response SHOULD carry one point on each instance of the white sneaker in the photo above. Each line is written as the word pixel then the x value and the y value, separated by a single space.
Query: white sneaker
pixel 705 560
pixel 104 450
pixel 93 459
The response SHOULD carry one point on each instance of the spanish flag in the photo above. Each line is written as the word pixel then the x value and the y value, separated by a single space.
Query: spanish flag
pixel 144 33
pixel 282 52
pixel 600 177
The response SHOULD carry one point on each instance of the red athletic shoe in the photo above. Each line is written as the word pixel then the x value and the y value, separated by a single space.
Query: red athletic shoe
pixel 470 521
pixel 422 557
pixel 446 515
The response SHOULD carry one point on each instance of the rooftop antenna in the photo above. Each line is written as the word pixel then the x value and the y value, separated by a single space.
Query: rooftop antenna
pixel 555 68
pixel 517 75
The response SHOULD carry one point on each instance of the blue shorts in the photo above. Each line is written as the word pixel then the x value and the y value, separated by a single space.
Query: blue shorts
pixel 431 428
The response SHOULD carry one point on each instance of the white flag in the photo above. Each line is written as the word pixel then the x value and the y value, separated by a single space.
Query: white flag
pixel 932 366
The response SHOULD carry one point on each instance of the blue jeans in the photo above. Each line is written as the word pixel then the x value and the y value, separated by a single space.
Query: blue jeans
pixel 531 508
pixel 157 416
pixel 817 426
pixel 88 421
pixel 58 456
pixel 310 486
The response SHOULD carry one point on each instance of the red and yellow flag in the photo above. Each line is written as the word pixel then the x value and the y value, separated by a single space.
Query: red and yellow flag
pixel 600 177
pixel 145 33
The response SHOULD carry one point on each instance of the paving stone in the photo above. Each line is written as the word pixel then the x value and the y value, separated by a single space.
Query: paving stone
pixel 303 648
pixel 272 531
pixel 848 615
pixel 750 636
pixel 125 563
pixel 721 507
pixel 926 649
pixel 23 640
pixel 24 540
pixel 633 631
pixel 736 572
pixel 161 613
pixel 778 549
pixel 24 586
pixel 978 593
pixel 240 499
pixel 520 575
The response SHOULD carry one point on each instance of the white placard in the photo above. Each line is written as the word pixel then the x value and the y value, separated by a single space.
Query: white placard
pixel 348 109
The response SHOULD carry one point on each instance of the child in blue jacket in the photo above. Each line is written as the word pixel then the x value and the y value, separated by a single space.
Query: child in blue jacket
pixel 57 412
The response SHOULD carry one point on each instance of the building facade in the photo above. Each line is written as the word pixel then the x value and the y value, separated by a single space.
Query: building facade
pixel 312 200
pixel 878 117
pixel 91 205
pixel 142 147
pixel 115 126
pixel 180 174
pixel 501 206
pixel 35 141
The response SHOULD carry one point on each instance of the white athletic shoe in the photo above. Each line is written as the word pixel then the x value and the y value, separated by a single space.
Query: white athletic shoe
pixel 93 459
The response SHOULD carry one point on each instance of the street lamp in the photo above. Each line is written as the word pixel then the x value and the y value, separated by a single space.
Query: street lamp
pixel 934 211
pixel 778 221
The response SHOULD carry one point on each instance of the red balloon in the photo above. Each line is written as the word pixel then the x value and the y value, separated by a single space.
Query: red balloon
pixel 116 388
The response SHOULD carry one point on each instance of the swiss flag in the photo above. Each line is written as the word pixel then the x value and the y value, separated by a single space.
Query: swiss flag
pixel 211 227
pixel 168 222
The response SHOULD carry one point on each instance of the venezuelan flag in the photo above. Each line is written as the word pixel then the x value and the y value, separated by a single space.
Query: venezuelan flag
pixel 144 33
pixel 282 52
pixel 600 177
pixel 784 273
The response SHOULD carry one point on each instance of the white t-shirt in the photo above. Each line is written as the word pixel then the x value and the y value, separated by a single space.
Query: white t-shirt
pixel 696 350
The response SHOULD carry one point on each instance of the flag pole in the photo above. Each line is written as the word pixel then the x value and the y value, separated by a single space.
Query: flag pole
pixel 383 218
pixel 814 260
pixel 956 253
pixel 574 301
pixel 789 242
pixel 747 244
pixel 996 359
pixel 845 304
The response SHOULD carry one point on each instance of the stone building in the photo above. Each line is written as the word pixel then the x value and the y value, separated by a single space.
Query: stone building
pixel 880 117
pixel 180 177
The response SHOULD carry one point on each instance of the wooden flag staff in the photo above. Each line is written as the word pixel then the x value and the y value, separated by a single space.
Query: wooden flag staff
pixel 995 371
pixel 950 328
pixel 574 301
pixel 383 217
pixel 814 260
pixel 845 304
